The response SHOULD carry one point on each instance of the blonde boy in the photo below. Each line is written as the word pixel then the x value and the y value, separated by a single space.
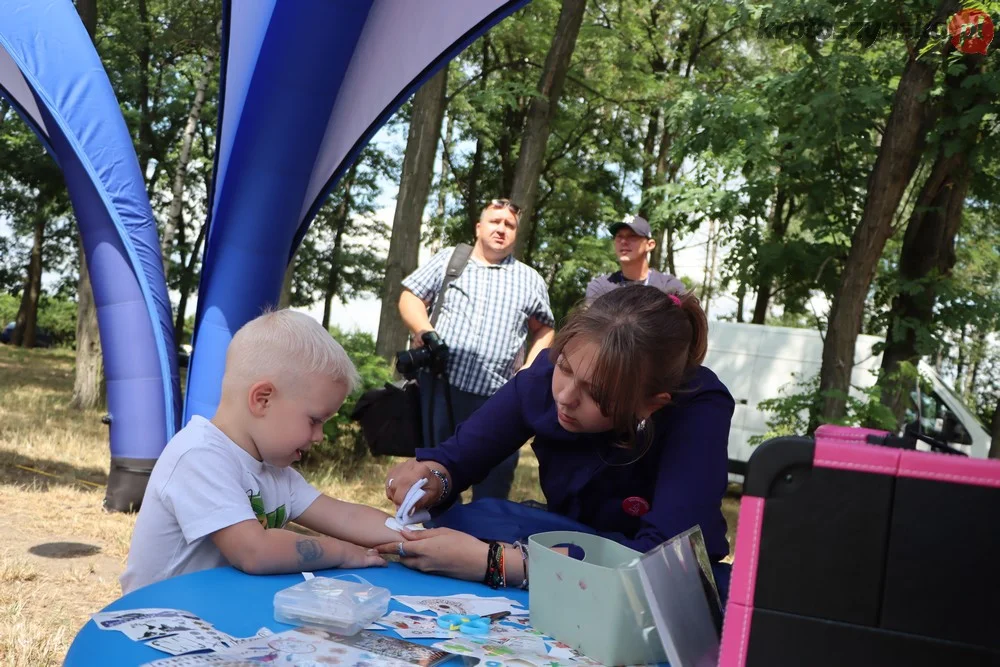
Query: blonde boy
pixel 222 491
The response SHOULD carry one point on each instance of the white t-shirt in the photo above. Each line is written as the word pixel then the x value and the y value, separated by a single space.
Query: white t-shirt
pixel 203 482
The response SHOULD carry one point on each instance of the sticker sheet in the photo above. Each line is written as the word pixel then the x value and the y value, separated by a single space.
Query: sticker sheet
pixel 312 647
pixel 465 604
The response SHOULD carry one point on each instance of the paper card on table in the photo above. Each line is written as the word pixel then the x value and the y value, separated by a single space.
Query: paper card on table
pixel 413 625
pixel 314 646
pixel 180 644
pixel 491 653
pixel 143 624
pixel 115 620
pixel 191 661
pixel 464 604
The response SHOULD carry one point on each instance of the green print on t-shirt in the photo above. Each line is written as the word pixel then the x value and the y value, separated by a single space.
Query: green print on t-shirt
pixel 275 519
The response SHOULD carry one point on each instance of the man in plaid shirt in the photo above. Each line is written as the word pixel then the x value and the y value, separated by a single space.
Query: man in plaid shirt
pixel 488 313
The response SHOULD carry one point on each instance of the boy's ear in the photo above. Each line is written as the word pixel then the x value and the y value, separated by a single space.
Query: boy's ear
pixel 260 397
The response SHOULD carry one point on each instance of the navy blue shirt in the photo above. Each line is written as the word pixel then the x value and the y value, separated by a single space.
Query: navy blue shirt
pixel 682 476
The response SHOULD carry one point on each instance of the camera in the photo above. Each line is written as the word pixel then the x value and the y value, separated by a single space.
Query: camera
pixel 432 356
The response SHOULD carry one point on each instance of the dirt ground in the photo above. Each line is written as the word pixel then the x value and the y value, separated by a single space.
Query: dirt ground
pixel 60 552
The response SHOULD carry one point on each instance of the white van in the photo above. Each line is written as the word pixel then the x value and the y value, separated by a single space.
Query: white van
pixel 756 361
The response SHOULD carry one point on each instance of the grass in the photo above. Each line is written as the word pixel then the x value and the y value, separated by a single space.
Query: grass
pixel 53 468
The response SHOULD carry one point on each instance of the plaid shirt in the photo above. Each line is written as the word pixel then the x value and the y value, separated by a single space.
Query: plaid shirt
pixel 484 319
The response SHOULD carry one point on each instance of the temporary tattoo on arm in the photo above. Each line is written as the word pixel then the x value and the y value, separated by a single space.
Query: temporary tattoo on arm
pixel 309 550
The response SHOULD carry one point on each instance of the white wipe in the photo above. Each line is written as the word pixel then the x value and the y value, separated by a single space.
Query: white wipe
pixel 405 516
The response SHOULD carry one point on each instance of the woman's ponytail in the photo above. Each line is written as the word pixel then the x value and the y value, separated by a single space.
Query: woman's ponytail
pixel 698 347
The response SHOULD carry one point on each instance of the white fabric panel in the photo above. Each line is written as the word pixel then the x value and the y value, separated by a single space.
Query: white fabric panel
pixel 14 83
pixel 247 26
pixel 418 33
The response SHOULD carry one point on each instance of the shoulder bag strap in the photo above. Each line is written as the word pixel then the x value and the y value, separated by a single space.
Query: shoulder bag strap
pixel 456 264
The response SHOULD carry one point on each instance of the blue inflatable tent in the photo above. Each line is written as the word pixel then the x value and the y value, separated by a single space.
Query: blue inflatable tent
pixel 52 75
pixel 305 84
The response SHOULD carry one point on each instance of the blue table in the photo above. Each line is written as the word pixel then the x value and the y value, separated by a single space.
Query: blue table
pixel 240 604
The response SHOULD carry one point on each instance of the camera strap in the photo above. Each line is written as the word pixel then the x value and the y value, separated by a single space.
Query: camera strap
pixel 456 264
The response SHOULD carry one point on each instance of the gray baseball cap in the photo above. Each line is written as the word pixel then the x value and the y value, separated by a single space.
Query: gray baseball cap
pixel 637 225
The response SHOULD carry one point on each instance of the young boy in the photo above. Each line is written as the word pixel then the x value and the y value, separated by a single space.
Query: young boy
pixel 222 491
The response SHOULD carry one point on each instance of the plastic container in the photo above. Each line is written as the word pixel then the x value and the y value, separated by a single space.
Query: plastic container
pixel 591 604
pixel 338 605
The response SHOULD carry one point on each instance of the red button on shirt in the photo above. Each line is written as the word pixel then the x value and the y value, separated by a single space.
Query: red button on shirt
pixel 635 506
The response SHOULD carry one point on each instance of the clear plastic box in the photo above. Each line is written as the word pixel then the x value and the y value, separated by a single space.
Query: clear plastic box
pixel 340 606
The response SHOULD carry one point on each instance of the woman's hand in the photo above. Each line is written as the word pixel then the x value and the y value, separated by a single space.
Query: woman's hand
pixel 441 551
pixel 404 475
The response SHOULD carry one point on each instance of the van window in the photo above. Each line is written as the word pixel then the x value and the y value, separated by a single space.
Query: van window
pixel 936 420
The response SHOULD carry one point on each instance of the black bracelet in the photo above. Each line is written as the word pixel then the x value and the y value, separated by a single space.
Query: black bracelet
pixel 495 575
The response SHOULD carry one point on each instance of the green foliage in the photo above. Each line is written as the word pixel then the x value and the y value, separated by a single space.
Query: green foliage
pixel 56 315
pixel 9 306
pixel 790 412
pixel 342 434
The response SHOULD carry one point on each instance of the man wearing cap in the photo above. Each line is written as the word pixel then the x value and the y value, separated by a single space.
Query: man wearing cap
pixel 633 241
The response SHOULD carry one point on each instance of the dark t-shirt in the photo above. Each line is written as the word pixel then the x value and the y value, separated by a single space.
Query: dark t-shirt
pixel 604 284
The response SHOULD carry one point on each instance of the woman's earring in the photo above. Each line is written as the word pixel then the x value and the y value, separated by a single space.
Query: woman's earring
pixel 641 426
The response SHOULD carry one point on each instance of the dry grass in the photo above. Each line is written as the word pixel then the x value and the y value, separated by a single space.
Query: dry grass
pixel 53 465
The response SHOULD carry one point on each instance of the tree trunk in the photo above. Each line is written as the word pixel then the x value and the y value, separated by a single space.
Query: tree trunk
pixel 472 203
pixel 928 252
pixel 186 284
pixel 88 371
pixel 87 9
pixel 177 190
pixel 145 56
pixel 713 249
pixel 668 246
pixel 26 326
pixel 541 110
pixel 649 160
pixel 414 186
pixel 442 206
pixel 995 443
pixel 512 127
pixel 333 277
pixel 666 172
pixel 777 227
pixel 902 144
pixel 741 293
pixel 706 281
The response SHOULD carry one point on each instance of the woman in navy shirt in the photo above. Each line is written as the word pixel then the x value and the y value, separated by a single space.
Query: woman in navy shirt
pixel 630 432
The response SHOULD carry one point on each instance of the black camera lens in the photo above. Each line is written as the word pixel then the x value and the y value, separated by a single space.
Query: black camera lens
pixel 433 355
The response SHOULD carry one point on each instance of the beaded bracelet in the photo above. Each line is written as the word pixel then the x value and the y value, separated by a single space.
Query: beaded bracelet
pixel 445 486
pixel 496 575
pixel 524 563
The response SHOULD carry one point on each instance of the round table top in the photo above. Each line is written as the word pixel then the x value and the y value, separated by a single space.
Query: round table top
pixel 240 604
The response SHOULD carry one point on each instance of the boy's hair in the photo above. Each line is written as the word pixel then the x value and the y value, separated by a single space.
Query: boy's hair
pixel 649 342
pixel 286 343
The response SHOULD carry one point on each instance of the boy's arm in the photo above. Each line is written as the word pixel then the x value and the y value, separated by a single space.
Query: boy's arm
pixel 250 548
pixel 354 523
